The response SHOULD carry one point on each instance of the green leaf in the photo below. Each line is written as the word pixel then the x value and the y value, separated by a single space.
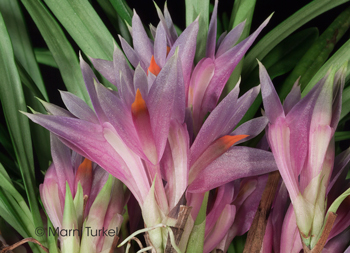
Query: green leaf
pixel 44 56
pixel 28 81
pixel 196 240
pixel 21 43
pixel 60 48
pixel 195 8
pixel 40 135
pixel 85 26
pixel 12 100
pixel 283 57
pixel 337 60
pixel 243 10
pixel 9 214
pixel 315 57
pixel 287 27
pixel 8 187
pixel 123 10
pixel 340 136
pixel 116 20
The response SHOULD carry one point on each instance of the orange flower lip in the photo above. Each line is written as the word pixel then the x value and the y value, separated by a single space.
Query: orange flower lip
pixel 153 67
pixel 85 168
pixel 139 106
pixel 228 140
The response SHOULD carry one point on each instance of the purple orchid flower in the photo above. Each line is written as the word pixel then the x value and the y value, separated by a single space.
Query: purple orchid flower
pixel 300 136
pixel 140 134
pixel 80 196
pixel 282 233
pixel 212 72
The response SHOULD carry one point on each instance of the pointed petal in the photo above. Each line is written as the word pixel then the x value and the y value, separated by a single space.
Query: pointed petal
pixel 142 44
pixel 56 110
pixel 187 49
pixel 211 41
pixel 89 79
pixel 160 46
pixel 272 104
pixel 131 54
pixel 105 68
pixel 230 39
pixel 167 23
pixel 78 107
pixel 252 128
pixel 292 98
pixel 120 65
pixel 224 169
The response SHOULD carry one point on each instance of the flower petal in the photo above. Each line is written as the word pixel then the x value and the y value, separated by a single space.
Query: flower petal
pixel 237 162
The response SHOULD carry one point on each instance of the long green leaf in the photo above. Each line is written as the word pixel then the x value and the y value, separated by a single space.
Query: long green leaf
pixel 301 17
pixel 123 10
pixel 8 186
pixel 195 8
pixel 44 56
pixel 85 26
pixel 116 20
pixel 60 48
pixel 9 214
pixel 340 136
pixel 283 57
pixel 12 100
pixel 20 41
pixel 314 58
pixel 339 58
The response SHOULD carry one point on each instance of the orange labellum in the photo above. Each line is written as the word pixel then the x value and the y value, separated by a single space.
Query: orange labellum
pixel 228 140
pixel 153 67
pixel 139 105
pixel 85 168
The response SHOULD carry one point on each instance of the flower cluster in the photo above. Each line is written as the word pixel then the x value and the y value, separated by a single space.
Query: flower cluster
pixel 164 134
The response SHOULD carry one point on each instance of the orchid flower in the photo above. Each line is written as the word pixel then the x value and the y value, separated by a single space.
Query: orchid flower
pixel 300 136
pixel 140 134
pixel 82 202
pixel 282 233
pixel 212 72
